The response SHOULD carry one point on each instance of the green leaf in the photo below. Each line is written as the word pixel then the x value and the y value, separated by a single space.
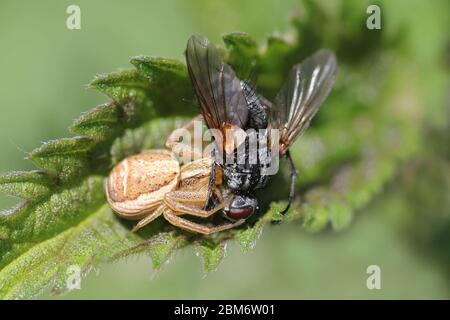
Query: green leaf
pixel 49 262
pixel 163 246
pixel 98 123
pixel 122 86
pixel 147 136
pixel 29 185
pixel 211 252
pixel 243 52
pixel 167 76
pixel 65 158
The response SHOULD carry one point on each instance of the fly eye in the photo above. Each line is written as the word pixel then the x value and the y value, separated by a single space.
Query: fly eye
pixel 240 213
pixel 241 208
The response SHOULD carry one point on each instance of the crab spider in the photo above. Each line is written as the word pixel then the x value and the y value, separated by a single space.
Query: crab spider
pixel 152 184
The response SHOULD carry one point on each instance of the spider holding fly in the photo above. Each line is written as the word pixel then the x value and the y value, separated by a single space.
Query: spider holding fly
pixel 229 104
pixel 152 184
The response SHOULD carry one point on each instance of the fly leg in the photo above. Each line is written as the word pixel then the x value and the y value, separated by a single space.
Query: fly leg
pixel 293 181
pixel 212 178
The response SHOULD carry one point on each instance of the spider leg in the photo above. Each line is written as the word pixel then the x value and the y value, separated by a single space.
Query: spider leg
pixel 182 149
pixel 293 180
pixel 183 202
pixel 155 214
pixel 196 227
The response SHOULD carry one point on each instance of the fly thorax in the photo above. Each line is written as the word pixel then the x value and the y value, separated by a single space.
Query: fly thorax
pixel 257 118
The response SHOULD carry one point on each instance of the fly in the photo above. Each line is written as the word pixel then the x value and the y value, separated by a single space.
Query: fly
pixel 230 104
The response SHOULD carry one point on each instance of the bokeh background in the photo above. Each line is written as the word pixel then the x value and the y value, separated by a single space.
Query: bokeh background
pixel 406 230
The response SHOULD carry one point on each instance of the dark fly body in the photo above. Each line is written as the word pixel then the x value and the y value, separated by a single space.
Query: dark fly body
pixel 228 103
pixel 245 175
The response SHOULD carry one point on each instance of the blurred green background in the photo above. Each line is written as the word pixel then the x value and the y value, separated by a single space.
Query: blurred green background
pixel 406 230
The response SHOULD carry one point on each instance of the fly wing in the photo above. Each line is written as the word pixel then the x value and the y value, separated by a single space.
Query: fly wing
pixel 299 99
pixel 217 87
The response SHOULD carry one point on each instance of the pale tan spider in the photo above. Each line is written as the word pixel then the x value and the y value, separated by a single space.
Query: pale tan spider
pixel 152 183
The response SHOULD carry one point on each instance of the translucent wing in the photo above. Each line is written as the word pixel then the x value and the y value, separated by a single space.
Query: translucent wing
pixel 299 99
pixel 217 88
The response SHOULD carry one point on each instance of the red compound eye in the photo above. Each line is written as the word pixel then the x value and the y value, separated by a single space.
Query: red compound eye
pixel 240 213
